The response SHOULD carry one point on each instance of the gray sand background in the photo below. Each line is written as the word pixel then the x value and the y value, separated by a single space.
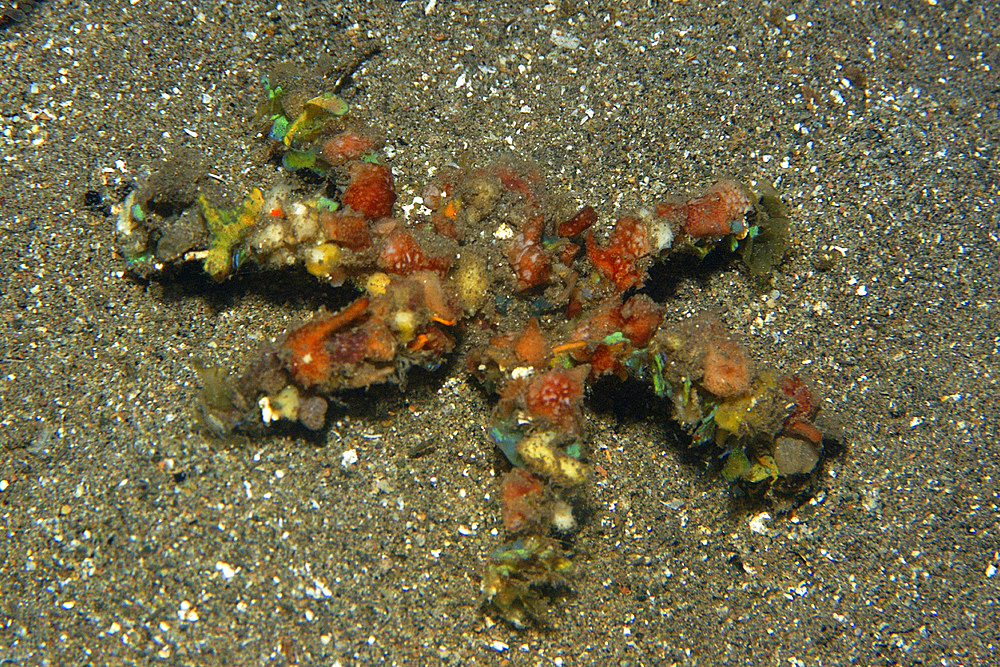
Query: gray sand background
pixel 130 538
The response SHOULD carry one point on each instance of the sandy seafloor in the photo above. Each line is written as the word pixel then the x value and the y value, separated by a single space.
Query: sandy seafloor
pixel 130 538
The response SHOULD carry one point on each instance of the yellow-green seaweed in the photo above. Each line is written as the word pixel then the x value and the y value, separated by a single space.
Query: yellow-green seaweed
pixel 228 227
pixel 316 112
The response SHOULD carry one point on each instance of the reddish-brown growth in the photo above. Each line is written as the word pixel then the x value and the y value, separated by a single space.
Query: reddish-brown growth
pixel 568 253
pixel 437 193
pixel 526 182
pixel 720 211
pixel 605 319
pixel 370 191
pixel 403 255
pixel 346 146
pixel 433 341
pixel 556 396
pixel 642 317
pixel 803 409
pixel 579 223
pixel 530 346
pixel 531 262
pixel 803 430
pixel 726 369
pixel 804 403
pixel 347 229
pixel 444 224
pixel 379 343
pixel 605 359
pixel 617 260
pixel 438 300
pixel 305 348
pixel 523 181
pixel 522 498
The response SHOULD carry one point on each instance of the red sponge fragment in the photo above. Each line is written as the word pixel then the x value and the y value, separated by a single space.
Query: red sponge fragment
pixel 618 259
pixel 402 255
pixel 720 211
pixel 371 190
pixel 727 371
pixel 556 396
pixel 306 349
pixel 346 146
pixel 522 498
pixel 579 223
pixel 531 262
pixel 347 229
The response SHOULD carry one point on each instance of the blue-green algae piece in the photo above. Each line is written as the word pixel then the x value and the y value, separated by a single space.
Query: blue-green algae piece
pixel 326 204
pixel 138 213
pixel 616 337
pixel 533 551
pixel 574 450
pixel 541 305
pixel 550 242
pixel 518 550
pixel 702 251
pixel 636 362
pixel 279 128
pixel 565 361
pixel 706 427
pixel 271 92
pixel 659 384
pixel 328 103
pixel 506 438
pixel 271 107
pixel 686 389
pixel 502 301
